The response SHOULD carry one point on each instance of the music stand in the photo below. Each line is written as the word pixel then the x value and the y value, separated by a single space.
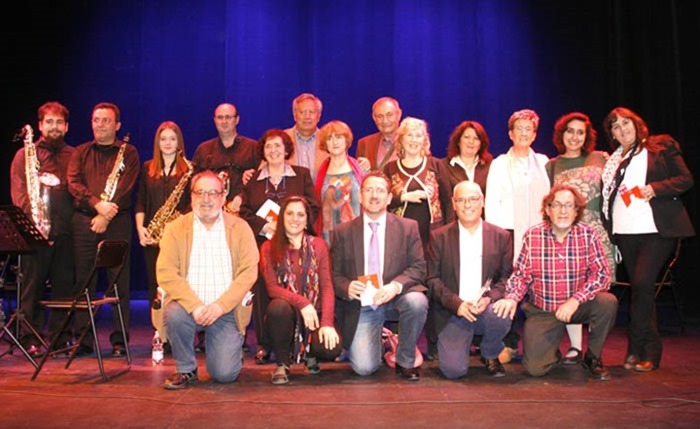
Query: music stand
pixel 18 236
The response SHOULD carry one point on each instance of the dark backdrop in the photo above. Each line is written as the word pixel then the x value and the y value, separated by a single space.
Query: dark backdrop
pixel 445 61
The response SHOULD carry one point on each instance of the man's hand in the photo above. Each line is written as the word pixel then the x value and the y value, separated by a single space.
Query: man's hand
pixel 247 175
pixel 385 294
pixel 356 289
pixel 310 317
pixel 107 209
pixel 206 315
pixel 566 310
pixel 365 165
pixel 99 224
pixel 505 308
pixel 471 311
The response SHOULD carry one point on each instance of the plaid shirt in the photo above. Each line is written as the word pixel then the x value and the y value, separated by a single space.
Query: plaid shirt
pixel 552 272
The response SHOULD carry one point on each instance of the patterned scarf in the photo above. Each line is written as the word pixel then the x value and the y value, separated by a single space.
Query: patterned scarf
pixel 286 275
pixel 609 178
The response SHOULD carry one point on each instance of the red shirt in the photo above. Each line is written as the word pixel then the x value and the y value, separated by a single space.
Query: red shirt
pixel 552 272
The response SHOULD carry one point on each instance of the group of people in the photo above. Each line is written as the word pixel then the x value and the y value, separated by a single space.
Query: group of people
pixel 321 249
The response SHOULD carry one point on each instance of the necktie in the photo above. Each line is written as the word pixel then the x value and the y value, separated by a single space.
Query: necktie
pixel 373 253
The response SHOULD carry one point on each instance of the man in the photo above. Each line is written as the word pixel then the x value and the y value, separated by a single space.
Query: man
pixel 103 201
pixel 387 249
pixel 469 262
pixel 229 153
pixel 307 109
pixel 207 264
pixel 562 268
pixel 55 262
pixel 377 150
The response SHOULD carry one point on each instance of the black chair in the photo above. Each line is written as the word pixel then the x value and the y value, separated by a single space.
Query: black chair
pixel 110 254
pixel 667 279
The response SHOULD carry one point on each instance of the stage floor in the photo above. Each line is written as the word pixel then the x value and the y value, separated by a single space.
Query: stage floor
pixel 76 398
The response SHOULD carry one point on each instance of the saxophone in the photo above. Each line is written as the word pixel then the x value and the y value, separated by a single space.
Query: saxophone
pixel 167 212
pixel 117 170
pixel 38 185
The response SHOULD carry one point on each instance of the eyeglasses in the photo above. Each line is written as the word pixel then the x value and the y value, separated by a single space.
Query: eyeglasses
pixel 225 117
pixel 470 200
pixel 104 121
pixel 211 193
pixel 524 129
pixel 559 206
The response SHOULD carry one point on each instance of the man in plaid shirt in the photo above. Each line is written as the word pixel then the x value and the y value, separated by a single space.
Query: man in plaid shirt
pixel 563 271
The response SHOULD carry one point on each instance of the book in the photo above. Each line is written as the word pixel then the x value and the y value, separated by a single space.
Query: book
pixel 270 212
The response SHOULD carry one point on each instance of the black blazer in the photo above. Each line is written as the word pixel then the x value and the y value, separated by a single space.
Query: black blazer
pixel 444 264
pixel 670 178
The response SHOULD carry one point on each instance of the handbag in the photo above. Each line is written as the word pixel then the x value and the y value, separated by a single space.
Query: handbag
pixel 391 344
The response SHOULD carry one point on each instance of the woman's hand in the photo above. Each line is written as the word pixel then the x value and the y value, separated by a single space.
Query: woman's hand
pixel 413 196
pixel 310 317
pixel 144 236
pixel 328 337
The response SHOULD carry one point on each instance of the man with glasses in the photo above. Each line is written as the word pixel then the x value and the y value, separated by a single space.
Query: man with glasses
pixel 102 209
pixel 378 272
pixel 229 154
pixel 206 268
pixel 563 270
pixel 469 262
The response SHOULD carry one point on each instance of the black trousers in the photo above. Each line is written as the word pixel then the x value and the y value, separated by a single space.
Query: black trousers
pixel 643 256
pixel 55 264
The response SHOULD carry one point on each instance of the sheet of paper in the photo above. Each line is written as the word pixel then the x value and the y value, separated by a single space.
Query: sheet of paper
pixel 373 284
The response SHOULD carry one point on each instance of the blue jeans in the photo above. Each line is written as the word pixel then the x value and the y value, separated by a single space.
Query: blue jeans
pixel 456 337
pixel 224 343
pixel 365 353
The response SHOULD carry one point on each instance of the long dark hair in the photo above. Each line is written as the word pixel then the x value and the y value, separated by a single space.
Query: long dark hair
pixel 639 125
pixel 279 241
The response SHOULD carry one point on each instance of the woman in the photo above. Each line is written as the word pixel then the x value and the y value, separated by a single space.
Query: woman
pixel 416 179
pixel 163 179
pixel 295 266
pixel 419 192
pixel 339 179
pixel 643 213
pixel 260 208
pixel 517 182
pixel 468 158
pixel 580 166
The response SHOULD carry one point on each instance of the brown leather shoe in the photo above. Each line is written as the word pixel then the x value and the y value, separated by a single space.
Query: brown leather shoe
pixel 595 367
pixel 494 367
pixel 410 374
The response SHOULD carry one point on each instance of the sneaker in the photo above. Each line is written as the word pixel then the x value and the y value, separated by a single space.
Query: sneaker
pixel 280 375
pixel 180 380
pixel 595 367
pixel 312 365
pixel 507 354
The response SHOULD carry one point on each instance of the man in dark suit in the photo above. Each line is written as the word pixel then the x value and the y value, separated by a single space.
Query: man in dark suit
pixel 376 150
pixel 469 262
pixel 399 269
